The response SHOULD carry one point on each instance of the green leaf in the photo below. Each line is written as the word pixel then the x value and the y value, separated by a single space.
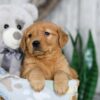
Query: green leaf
pixel 77 52
pixel 89 73
pixel 92 69
pixel 72 40
pixel 86 66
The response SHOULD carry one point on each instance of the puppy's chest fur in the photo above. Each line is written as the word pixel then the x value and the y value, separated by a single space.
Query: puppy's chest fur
pixel 47 66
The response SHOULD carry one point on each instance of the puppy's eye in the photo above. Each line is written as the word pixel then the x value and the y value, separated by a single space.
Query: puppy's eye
pixel 47 33
pixel 30 35
pixel 6 26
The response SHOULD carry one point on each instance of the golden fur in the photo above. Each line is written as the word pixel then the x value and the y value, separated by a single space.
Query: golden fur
pixel 48 62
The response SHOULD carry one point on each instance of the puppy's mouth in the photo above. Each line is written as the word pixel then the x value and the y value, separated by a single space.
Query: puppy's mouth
pixel 38 53
pixel 37 50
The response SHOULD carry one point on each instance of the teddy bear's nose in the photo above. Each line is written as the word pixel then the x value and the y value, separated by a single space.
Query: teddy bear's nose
pixel 17 35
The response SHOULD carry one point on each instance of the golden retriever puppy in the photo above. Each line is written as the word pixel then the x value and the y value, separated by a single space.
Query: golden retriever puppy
pixel 42 45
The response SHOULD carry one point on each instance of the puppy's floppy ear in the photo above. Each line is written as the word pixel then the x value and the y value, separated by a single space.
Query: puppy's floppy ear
pixel 23 43
pixel 62 37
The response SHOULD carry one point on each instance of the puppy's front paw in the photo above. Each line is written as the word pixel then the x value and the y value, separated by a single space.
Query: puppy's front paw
pixel 38 85
pixel 60 83
pixel 60 87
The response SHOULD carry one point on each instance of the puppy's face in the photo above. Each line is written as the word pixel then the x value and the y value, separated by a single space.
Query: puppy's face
pixel 43 37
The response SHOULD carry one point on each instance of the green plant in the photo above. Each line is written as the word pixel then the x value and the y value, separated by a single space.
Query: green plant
pixel 84 62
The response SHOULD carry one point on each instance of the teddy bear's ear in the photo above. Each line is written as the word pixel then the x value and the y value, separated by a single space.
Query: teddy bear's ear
pixel 62 37
pixel 32 10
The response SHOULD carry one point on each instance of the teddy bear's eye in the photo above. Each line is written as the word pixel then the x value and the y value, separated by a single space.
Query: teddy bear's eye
pixel 6 26
pixel 30 35
pixel 19 27
pixel 47 33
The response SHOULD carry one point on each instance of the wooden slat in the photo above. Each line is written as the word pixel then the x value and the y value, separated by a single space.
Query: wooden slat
pixel 87 18
pixel 98 39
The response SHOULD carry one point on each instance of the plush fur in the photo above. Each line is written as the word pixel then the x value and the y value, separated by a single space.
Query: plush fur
pixel 46 61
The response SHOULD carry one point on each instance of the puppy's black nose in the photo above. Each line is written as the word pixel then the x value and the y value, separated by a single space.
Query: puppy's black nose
pixel 36 44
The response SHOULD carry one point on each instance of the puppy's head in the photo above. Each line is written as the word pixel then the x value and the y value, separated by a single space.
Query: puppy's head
pixel 43 37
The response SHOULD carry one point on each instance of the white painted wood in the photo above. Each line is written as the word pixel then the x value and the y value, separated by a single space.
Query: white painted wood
pixel 13 1
pixel 87 18
pixel 97 16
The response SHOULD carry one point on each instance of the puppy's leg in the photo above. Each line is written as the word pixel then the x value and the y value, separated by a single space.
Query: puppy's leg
pixel 73 74
pixel 37 79
pixel 60 82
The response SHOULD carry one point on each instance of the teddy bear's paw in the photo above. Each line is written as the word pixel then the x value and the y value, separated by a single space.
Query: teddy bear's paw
pixel 38 85
pixel 60 88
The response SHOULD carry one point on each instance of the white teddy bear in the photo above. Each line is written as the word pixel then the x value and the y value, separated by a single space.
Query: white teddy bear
pixel 13 20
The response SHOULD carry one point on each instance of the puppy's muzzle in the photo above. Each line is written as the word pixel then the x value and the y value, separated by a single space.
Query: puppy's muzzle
pixel 36 44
